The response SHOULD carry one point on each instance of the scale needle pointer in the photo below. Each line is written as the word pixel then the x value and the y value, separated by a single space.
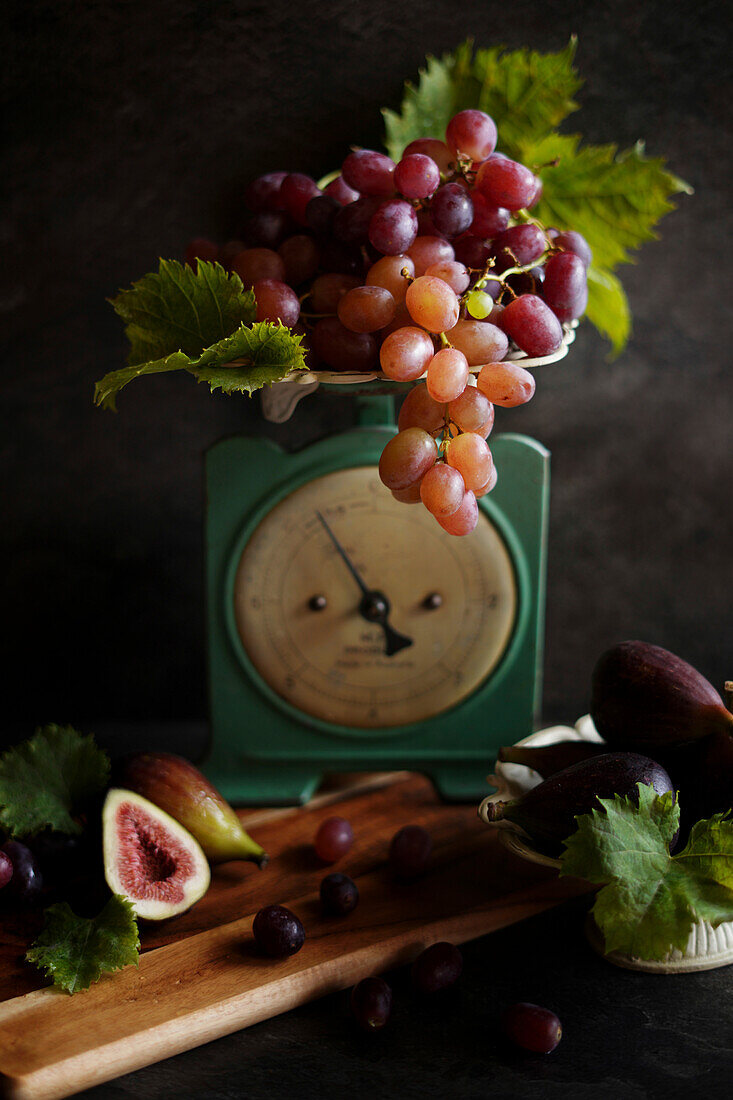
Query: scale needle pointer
pixel 374 605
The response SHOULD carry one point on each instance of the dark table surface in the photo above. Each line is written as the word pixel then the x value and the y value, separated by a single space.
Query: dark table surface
pixel 625 1034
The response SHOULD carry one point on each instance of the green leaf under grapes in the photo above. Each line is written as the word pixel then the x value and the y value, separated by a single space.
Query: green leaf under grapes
pixel 650 899
pixel 74 951
pixel 608 307
pixel 48 779
pixel 526 93
pixel 179 309
pixel 251 357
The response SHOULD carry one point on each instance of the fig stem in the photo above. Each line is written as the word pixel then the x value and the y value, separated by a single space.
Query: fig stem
pixel 729 694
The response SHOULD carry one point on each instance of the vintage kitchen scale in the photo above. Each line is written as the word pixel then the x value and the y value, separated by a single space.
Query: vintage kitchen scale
pixel 349 632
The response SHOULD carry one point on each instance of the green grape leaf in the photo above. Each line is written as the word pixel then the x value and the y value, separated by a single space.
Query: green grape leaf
pixel 608 307
pixel 179 309
pixel 75 951
pixel 251 357
pixel 613 199
pixel 255 357
pixel 526 93
pixel 48 779
pixel 649 899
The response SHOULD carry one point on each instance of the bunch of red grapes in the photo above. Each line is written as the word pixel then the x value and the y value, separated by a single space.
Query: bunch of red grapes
pixel 433 267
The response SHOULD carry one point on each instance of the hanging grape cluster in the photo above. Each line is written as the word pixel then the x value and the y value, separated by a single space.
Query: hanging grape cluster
pixel 433 267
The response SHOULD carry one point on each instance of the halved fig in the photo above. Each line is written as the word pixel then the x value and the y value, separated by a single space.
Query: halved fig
pixel 150 858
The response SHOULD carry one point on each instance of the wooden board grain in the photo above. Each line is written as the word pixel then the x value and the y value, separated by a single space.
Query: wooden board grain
pixel 200 975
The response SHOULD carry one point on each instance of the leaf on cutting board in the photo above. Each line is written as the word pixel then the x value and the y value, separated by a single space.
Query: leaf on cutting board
pixel 48 779
pixel 649 899
pixel 75 951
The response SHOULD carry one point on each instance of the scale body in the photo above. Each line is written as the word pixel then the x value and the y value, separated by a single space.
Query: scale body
pixel 300 684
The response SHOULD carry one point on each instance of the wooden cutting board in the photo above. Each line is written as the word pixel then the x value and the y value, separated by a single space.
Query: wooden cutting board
pixel 200 975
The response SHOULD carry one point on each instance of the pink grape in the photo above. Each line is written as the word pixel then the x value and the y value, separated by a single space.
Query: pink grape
pixel 405 354
pixel 442 490
pixel 426 251
pixel 339 190
pixel 488 220
pixel 333 839
pixel 264 193
pixel 505 182
pixel 565 288
pixel 201 249
pixel 506 384
pixel 432 304
pixel 472 412
pixel 393 227
pixel 451 210
pixel 480 341
pixel 276 301
pixel 228 251
pixel 484 489
pixel 366 308
pixel 343 350
pixel 327 290
pixel 296 192
pixel 401 319
pixel 387 272
pixel 532 326
pixel 368 172
pixel 420 411
pixel 447 375
pixel 464 519
pixel 452 273
pixel 300 256
pixel 433 148
pixel 406 458
pixel 417 176
pixel 255 264
pixel 473 133
pixel 470 455
pixel 410 850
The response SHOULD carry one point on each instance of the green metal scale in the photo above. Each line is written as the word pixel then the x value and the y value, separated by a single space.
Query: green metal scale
pixel 349 632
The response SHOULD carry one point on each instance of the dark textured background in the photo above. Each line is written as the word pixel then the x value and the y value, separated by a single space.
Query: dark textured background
pixel 135 126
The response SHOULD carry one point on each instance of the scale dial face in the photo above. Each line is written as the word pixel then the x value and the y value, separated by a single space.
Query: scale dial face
pixel 296 604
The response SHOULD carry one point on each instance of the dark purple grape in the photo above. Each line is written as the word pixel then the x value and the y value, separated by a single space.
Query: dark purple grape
pixel 472 252
pixel 266 230
pixel 300 256
pixel 526 282
pixel 342 350
pixel 6 869
pixel 393 227
pixel 410 851
pixel 339 894
pixel 566 285
pixel 278 932
pixel 296 192
pixel 532 326
pixel 333 839
pixel 201 249
pixel 451 210
pixel 369 173
pixel 351 223
pixel 320 212
pixel 371 1003
pixel 505 182
pixel 488 220
pixel 518 246
pixel 264 192
pixel 570 241
pixel 27 881
pixel 228 251
pixel 60 856
pixel 532 1027
pixel 438 967
pixel 341 259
